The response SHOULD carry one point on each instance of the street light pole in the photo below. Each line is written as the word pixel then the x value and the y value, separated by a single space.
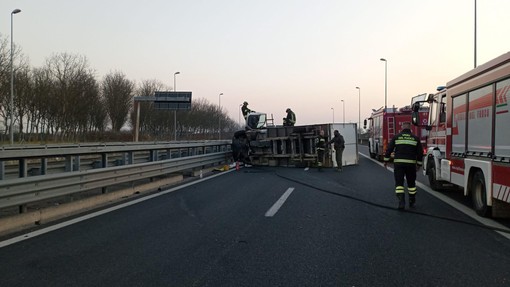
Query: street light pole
pixel 343 114
pixel 219 116
pixel 359 110
pixel 475 33
pixel 175 111
pixel 240 105
pixel 385 83
pixel 333 114
pixel 11 101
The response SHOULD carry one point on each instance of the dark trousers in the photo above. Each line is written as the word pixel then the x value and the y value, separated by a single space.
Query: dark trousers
pixel 338 156
pixel 408 171
pixel 320 157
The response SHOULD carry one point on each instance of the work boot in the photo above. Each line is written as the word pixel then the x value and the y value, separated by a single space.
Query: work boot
pixel 412 200
pixel 401 201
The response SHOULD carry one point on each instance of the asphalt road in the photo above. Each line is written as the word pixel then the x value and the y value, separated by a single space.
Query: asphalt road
pixel 267 227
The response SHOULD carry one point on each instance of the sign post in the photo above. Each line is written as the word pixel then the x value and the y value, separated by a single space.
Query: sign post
pixel 164 100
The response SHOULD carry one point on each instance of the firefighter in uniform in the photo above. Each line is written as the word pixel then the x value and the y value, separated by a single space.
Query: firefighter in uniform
pixel 339 145
pixel 290 120
pixel 320 144
pixel 407 160
pixel 245 110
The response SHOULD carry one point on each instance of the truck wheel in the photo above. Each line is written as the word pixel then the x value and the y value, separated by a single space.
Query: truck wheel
pixel 478 192
pixel 433 182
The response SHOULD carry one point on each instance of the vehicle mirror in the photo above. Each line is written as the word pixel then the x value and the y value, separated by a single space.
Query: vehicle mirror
pixel 416 107
pixel 415 119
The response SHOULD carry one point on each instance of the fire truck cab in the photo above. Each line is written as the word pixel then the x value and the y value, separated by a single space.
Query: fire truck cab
pixel 384 124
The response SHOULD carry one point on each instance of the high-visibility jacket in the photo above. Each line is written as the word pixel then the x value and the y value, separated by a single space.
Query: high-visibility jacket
pixel 407 148
pixel 320 143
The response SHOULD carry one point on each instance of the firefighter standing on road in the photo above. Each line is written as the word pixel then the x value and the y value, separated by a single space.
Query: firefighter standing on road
pixel 290 120
pixel 407 160
pixel 339 145
pixel 320 144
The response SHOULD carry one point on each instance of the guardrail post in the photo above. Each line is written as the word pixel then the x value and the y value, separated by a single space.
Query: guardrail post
pixel 22 208
pixel 44 166
pixel 23 167
pixel 131 157
pixel 76 163
pixel 69 163
pixel 2 170
pixel 104 160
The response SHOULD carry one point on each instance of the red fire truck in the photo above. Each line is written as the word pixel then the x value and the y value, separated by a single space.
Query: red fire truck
pixel 386 123
pixel 469 136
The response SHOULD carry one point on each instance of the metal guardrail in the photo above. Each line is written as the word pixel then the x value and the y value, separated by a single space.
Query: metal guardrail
pixel 36 151
pixel 28 189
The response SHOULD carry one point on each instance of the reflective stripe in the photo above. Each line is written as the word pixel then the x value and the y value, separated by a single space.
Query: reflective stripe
pixel 401 160
pixel 399 189
pixel 386 159
pixel 409 142
pixel 412 190
pixel 419 163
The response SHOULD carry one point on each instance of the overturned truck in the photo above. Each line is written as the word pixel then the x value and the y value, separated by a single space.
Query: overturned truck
pixel 262 143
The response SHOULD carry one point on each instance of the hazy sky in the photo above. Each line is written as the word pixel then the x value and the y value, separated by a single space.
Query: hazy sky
pixel 306 55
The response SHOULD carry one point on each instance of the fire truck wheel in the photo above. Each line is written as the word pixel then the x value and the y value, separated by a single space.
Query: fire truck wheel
pixel 431 173
pixel 479 194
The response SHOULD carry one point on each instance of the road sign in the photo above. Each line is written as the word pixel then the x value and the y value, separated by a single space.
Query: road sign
pixel 165 100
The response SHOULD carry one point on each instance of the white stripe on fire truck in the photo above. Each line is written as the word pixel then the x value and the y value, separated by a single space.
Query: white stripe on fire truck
pixel 503 192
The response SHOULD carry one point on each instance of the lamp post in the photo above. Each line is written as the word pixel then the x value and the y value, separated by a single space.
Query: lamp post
pixel 385 83
pixel 343 114
pixel 219 116
pixel 175 111
pixel 359 109
pixel 333 114
pixel 11 101
pixel 240 105
pixel 475 33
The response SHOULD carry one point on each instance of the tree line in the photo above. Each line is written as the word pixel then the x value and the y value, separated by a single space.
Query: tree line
pixel 64 101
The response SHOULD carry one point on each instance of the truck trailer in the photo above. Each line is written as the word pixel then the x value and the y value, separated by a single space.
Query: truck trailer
pixel 263 144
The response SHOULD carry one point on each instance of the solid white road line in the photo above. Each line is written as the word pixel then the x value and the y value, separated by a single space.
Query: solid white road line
pixel 466 210
pixel 274 209
pixel 101 212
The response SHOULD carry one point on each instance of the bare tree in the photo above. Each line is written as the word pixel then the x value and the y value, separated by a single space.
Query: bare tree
pixel 19 63
pixel 149 118
pixel 117 92
pixel 4 80
pixel 69 74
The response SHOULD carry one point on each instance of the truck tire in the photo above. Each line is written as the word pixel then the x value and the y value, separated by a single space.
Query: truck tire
pixel 478 193
pixel 431 173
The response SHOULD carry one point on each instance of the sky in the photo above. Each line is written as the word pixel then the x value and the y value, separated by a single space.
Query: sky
pixel 274 54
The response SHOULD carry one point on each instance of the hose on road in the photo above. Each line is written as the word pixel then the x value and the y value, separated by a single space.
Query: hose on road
pixel 393 208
